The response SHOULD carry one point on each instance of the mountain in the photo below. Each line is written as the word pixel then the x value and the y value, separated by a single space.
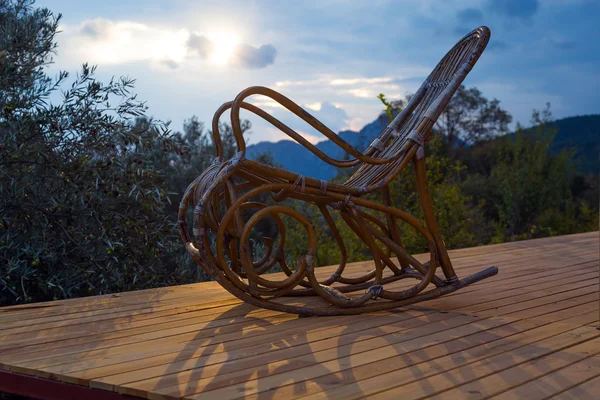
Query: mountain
pixel 294 157
pixel 583 134
pixel 580 132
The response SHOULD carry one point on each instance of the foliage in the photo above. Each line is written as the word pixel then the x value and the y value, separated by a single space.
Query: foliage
pixel 580 133
pixel 471 117
pixel 82 211
pixel 89 186
pixel 391 108
pixel 529 189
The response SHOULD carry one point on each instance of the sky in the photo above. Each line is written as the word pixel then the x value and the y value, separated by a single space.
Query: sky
pixel 331 57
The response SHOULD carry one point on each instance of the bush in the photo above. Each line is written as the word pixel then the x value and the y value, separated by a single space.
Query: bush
pixel 82 210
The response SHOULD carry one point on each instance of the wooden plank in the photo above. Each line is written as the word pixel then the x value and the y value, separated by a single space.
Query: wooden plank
pixel 197 340
pixel 194 352
pixel 584 391
pixel 256 388
pixel 145 296
pixel 68 311
pixel 84 365
pixel 70 314
pixel 313 364
pixel 424 363
pixel 505 294
pixel 575 380
pixel 514 298
pixel 90 339
pixel 523 304
pixel 59 333
pixel 188 332
pixel 543 371
pixel 177 316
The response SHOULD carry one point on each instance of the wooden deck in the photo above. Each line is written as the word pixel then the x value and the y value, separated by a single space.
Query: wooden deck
pixel 529 332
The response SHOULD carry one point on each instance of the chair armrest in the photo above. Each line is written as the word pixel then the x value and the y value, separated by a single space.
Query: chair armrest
pixel 278 124
pixel 304 115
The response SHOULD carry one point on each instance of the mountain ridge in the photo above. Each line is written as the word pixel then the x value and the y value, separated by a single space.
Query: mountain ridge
pixel 581 132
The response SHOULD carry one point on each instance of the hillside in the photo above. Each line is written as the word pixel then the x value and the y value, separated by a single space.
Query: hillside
pixel 294 157
pixel 581 132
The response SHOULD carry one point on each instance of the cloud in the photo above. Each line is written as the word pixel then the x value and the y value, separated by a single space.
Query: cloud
pixel 354 81
pixel 94 28
pixel 201 45
pixel 313 106
pixel 354 89
pixel 247 56
pixel 331 115
pixel 539 47
pixel 518 9
pixel 275 135
pixel 363 93
pixel 294 83
pixel 346 85
pixel 169 63
pixel 335 118
pixel 266 103
pixel 103 41
pixel 337 81
pixel 230 52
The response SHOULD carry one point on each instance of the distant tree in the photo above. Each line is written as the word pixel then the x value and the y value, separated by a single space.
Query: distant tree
pixel 471 117
pixel 530 191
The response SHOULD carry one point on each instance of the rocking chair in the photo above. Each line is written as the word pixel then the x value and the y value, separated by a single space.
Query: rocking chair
pixel 221 195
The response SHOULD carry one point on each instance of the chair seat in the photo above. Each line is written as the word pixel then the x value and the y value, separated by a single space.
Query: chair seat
pixel 256 170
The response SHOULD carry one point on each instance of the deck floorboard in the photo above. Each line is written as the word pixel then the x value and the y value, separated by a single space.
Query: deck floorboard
pixel 529 332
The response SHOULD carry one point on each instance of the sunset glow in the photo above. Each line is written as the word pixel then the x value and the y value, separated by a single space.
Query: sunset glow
pixel 224 46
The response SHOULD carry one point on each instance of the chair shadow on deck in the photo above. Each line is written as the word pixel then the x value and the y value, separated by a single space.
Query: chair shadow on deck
pixel 267 342
pixel 281 361
pixel 288 359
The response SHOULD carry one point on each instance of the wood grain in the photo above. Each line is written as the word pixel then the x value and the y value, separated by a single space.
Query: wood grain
pixel 529 332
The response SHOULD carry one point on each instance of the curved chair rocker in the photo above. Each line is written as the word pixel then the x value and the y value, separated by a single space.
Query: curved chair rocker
pixel 227 187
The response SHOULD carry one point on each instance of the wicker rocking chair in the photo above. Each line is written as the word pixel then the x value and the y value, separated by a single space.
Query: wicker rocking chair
pixel 221 195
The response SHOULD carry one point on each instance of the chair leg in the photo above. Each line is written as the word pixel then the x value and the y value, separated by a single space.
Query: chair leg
pixel 431 221
pixel 391 222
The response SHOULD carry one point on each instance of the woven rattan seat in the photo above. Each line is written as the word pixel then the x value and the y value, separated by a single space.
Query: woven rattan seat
pixel 222 195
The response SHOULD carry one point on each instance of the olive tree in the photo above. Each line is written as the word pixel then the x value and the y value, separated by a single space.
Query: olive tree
pixel 81 209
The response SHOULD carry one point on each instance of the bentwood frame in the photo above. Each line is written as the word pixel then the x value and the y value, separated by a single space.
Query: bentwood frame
pixel 220 243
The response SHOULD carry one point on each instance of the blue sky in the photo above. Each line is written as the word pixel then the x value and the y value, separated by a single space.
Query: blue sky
pixel 333 57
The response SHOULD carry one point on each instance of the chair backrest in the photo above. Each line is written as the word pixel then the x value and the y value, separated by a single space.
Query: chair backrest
pixel 421 113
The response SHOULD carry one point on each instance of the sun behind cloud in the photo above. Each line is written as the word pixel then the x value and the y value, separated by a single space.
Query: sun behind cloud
pixel 103 41
pixel 224 45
